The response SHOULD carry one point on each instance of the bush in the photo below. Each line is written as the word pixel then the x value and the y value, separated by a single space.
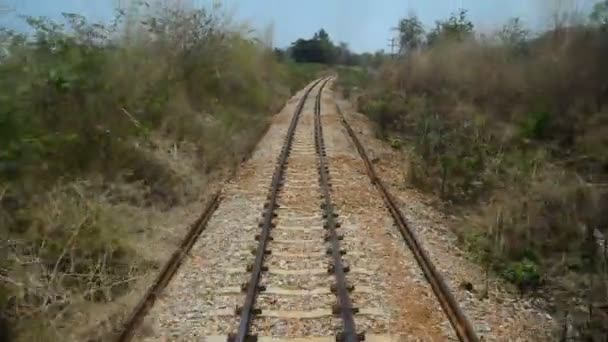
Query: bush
pixel 87 90
pixel 451 153
pixel 63 250
pixel 524 273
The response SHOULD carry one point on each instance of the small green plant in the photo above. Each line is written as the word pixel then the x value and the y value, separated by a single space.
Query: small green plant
pixel 395 143
pixel 479 244
pixel 535 125
pixel 524 273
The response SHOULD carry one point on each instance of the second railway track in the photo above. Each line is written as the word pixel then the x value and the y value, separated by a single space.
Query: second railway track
pixel 304 269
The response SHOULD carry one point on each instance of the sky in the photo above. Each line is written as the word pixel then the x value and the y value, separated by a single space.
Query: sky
pixel 364 24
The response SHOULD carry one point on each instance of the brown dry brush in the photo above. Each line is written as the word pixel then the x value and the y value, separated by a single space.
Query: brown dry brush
pixel 516 130
pixel 103 125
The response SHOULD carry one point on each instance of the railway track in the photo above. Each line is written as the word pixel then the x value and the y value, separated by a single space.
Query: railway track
pixel 302 283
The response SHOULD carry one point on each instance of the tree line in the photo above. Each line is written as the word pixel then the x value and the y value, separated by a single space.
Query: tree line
pixel 458 28
pixel 321 49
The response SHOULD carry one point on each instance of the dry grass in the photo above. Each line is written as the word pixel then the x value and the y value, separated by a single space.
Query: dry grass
pixel 73 255
pixel 76 265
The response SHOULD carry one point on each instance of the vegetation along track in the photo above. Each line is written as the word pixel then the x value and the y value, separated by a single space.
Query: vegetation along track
pixel 444 295
pixel 303 282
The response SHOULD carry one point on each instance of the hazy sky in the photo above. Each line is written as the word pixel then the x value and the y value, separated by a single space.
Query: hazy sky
pixel 364 24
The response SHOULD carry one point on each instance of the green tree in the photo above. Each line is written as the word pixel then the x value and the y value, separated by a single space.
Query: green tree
pixel 599 15
pixel 410 32
pixel 319 49
pixel 322 36
pixel 514 35
pixel 456 28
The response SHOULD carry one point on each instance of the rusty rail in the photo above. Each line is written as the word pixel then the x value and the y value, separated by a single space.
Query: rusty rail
pixel 168 271
pixel 458 320
pixel 344 307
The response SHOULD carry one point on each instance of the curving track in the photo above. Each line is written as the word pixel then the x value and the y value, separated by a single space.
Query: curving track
pixel 304 270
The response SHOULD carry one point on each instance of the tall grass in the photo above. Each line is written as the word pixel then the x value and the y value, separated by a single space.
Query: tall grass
pixel 103 125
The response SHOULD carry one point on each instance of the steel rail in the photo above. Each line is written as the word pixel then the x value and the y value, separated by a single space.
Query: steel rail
pixel 253 288
pixel 168 271
pixel 457 319
pixel 344 307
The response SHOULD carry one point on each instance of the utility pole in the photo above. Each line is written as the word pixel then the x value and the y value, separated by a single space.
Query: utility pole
pixel 392 45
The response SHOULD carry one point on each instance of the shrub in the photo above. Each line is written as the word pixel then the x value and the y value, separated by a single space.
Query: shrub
pixel 524 273
pixel 61 251
pixel 535 125
pixel 76 93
